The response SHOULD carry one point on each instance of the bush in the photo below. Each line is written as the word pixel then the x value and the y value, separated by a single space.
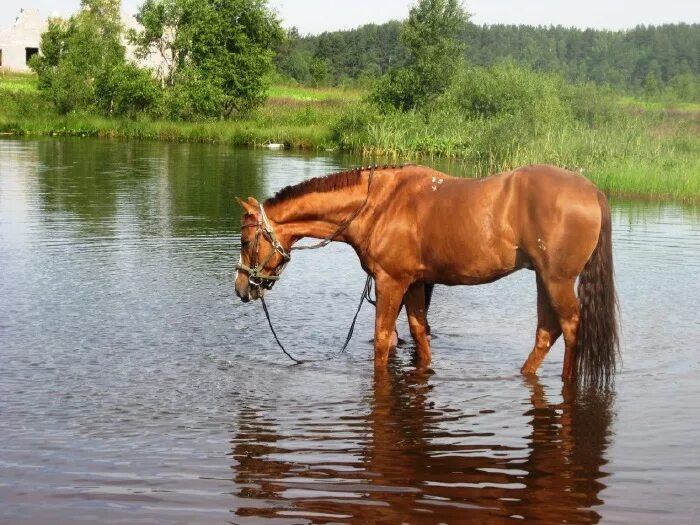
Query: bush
pixel 592 104
pixel 508 90
pixel 127 90
pixel 397 89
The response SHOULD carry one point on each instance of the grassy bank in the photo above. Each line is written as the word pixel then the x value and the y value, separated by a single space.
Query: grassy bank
pixel 297 117
pixel 638 148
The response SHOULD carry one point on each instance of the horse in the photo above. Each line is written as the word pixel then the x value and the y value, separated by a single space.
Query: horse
pixel 411 225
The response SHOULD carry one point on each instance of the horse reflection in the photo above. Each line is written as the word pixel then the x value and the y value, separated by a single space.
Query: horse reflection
pixel 421 463
pixel 568 443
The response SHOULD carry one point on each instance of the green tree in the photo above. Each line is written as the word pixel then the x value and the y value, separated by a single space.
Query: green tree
pixel 218 53
pixel 77 51
pixel 431 36
pixel 620 59
pixel 319 72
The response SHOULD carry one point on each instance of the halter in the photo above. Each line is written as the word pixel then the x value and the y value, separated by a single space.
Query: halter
pixel 256 277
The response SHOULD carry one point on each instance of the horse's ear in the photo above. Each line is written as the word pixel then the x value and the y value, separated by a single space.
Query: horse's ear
pixel 247 206
pixel 253 202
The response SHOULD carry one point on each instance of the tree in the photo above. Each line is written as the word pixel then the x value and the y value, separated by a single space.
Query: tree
pixel 219 53
pixel 77 51
pixel 431 36
pixel 319 72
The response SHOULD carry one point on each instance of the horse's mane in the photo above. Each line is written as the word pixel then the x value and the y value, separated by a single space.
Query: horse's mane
pixel 326 183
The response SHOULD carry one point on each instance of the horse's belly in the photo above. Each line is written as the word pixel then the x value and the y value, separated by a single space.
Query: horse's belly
pixel 478 269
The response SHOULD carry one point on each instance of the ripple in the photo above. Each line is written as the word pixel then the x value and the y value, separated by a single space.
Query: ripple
pixel 134 388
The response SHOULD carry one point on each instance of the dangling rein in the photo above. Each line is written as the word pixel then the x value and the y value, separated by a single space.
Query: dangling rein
pixel 365 295
pixel 365 292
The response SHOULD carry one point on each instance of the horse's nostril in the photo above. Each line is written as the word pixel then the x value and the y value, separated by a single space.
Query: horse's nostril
pixel 244 295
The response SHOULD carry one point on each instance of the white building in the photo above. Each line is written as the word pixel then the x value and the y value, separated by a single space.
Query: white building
pixel 20 42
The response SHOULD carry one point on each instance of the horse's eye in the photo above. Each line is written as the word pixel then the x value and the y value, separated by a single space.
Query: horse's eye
pixel 244 244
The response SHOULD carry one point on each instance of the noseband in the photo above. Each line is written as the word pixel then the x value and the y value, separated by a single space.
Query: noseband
pixel 256 277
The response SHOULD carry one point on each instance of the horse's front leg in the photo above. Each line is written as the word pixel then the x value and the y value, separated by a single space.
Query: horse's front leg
pixel 390 294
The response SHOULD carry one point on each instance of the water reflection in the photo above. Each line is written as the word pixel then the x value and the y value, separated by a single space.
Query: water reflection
pixel 174 188
pixel 414 463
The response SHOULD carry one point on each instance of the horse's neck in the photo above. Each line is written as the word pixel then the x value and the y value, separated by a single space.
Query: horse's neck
pixel 318 215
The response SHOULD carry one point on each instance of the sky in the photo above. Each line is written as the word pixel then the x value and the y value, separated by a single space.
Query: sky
pixel 316 16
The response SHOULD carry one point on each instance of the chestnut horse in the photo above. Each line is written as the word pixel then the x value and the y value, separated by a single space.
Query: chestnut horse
pixel 412 225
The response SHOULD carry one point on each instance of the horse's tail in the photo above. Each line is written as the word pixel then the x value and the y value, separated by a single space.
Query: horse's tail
pixel 597 347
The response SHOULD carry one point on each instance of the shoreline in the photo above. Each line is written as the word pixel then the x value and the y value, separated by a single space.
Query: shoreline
pixel 651 154
pixel 305 148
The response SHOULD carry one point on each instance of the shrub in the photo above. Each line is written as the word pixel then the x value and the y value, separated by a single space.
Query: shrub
pixel 508 90
pixel 397 89
pixel 127 90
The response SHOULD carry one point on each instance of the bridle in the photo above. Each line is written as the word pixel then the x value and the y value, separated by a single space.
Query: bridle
pixel 263 282
pixel 256 275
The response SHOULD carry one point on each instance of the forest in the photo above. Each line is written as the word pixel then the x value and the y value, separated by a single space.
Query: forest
pixel 646 59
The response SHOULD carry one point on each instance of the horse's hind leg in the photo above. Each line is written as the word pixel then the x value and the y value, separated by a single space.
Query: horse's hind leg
pixel 565 304
pixel 548 330
pixel 415 300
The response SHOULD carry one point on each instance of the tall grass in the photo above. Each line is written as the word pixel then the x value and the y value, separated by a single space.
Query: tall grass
pixel 627 157
pixel 507 117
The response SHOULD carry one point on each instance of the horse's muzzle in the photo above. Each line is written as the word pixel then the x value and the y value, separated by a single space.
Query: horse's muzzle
pixel 243 291
pixel 248 293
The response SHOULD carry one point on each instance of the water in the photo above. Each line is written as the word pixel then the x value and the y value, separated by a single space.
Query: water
pixel 135 388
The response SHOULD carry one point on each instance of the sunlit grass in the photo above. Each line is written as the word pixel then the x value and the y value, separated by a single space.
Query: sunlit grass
pixel 17 82
pixel 309 94
pixel 660 105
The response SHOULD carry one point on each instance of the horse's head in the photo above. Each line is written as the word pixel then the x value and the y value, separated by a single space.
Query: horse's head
pixel 263 257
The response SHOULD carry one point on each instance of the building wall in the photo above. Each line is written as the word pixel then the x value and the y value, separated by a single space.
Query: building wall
pixel 24 33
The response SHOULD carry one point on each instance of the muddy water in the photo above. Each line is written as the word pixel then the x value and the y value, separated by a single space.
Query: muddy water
pixel 134 388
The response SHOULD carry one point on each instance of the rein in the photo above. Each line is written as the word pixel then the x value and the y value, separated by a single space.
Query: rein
pixel 263 281
pixel 365 296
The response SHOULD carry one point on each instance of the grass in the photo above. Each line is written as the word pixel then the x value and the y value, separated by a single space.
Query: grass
pixel 17 82
pixel 648 149
pixel 673 106
pixel 308 94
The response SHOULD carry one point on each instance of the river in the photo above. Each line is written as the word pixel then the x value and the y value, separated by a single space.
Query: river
pixel 136 388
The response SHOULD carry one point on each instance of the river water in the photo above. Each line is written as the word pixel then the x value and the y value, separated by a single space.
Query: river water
pixel 135 388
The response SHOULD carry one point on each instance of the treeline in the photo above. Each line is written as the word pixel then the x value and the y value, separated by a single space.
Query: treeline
pixel 645 59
